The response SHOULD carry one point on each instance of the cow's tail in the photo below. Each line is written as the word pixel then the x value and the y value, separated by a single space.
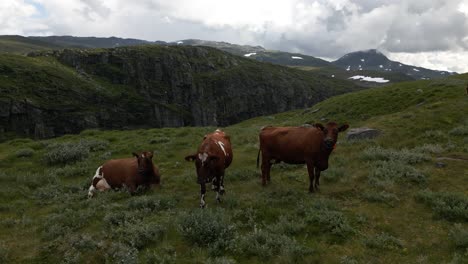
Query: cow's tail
pixel 258 157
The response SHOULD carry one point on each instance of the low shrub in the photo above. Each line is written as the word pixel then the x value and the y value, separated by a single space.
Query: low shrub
pixel 120 218
pixel 333 222
pixel 333 174
pixel 24 153
pixel 430 149
pixel 286 226
pixel 405 155
pixel 221 260
pixel 137 234
pixel 264 244
pixel 241 174
pixel 65 153
pixel 459 236
pixel 459 131
pixel 159 140
pixel 451 206
pixel 383 241
pixel 204 227
pixel 121 253
pixel 75 170
pixel 385 173
pixel 381 197
pixel 150 204
pixel 164 255
pixel 95 144
pixel 57 225
pixel 4 253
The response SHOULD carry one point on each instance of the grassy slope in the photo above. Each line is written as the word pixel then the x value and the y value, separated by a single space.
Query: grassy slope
pixel 409 114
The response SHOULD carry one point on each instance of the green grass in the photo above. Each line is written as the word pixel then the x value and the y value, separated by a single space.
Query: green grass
pixel 45 216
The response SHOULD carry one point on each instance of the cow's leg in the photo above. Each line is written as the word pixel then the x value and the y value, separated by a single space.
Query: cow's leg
pixel 218 189
pixel 317 178
pixel 310 170
pixel 221 185
pixel 202 194
pixel 266 166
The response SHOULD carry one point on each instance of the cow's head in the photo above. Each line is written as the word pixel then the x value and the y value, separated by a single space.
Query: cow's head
pixel 330 131
pixel 204 163
pixel 145 159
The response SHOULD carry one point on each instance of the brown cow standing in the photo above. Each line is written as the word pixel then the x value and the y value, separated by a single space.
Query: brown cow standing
pixel 214 155
pixel 129 172
pixel 298 145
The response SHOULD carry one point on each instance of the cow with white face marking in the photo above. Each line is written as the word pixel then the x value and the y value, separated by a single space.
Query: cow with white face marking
pixel 130 172
pixel 214 155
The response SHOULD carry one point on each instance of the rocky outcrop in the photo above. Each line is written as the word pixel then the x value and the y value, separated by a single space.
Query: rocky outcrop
pixel 157 86
pixel 362 133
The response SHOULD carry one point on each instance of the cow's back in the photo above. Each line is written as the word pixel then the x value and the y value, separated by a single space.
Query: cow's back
pixel 117 171
pixel 290 144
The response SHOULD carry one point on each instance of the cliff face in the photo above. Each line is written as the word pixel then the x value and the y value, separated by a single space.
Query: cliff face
pixel 57 92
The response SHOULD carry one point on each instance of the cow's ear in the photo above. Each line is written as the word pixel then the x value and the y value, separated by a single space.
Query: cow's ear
pixel 134 154
pixel 319 126
pixel 343 127
pixel 150 155
pixel 190 157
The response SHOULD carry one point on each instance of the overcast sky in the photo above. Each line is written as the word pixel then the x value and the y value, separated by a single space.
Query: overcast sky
pixel 427 33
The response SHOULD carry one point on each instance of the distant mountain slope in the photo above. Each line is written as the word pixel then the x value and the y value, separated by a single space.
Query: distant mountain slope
pixel 19 44
pixel 376 61
pixel 259 53
pixel 66 91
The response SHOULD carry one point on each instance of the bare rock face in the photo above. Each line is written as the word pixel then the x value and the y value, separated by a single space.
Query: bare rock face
pixel 362 133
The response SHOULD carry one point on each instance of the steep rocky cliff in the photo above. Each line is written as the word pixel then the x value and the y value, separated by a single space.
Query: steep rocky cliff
pixel 56 92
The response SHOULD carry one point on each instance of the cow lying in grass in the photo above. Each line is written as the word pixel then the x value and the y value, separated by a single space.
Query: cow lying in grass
pixel 298 145
pixel 129 172
pixel 214 155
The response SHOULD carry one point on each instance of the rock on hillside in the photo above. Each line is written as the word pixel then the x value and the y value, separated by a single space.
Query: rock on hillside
pixel 57 92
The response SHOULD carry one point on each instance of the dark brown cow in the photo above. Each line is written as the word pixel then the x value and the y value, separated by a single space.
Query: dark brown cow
pixel 129 172
pixel 214 155
pixel 298 145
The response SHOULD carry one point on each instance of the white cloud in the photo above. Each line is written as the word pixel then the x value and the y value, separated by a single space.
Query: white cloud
pixel 428 33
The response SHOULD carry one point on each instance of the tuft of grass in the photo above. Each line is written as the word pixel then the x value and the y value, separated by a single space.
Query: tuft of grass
pixel 459 131
pixel 450 206
pixel 285 225
pixel 242 174
pixel 383 241
pixel 150 204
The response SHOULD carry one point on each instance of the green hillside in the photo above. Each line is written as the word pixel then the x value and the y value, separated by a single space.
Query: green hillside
pixel 381 201
pixel 53 93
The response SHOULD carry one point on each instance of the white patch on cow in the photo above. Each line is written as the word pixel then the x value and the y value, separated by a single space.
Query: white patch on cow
pixel 221 188
pixel 203 157
pixel 97 175
pixel 221 145
pixel 143 155
pixel 102 185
